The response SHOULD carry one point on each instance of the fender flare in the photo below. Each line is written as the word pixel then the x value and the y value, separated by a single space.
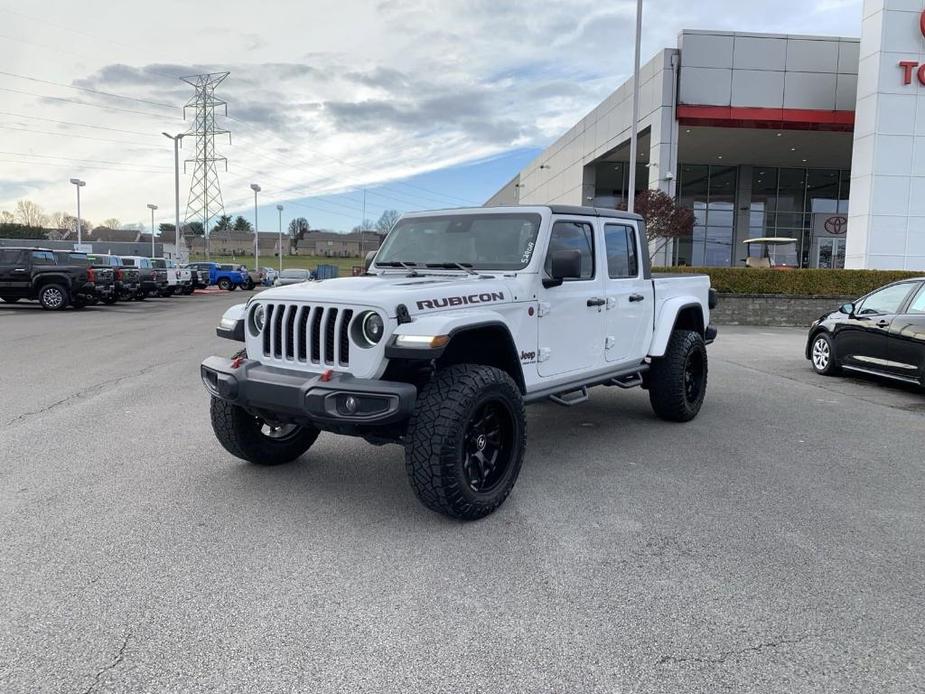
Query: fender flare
pixel 667 319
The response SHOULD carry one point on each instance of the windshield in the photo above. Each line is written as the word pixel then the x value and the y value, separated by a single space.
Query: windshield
pixel 487 241
pixel 158 263
pixel 78 259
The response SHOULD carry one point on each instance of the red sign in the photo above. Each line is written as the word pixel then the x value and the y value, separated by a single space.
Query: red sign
pixel 912 66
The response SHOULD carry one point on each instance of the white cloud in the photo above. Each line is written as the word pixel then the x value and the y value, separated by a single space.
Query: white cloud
pixel 392 88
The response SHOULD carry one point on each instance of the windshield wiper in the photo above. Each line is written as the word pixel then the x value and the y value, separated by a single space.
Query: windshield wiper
pixel 407 264
pixel 467 267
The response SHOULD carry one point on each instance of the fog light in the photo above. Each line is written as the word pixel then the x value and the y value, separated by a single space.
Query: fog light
pixel 350 404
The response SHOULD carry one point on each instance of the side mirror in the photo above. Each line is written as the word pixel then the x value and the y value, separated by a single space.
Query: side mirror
pixel 370 257
pixel 563 265
pixel 847 309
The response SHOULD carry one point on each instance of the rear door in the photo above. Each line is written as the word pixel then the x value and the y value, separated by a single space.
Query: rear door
pixel 628 318
pixel 571 323
pixel 862 340
pixel 907 338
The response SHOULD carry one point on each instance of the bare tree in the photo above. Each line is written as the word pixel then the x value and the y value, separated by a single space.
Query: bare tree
pixel 366 225
pixel 112 223
pixel 7 217
pixel 387 221
pixel 30 214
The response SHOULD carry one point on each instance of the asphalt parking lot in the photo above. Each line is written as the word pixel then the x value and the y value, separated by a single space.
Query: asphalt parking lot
pixel 775 544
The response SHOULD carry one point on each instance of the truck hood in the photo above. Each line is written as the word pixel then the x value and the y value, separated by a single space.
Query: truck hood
pixel 424 294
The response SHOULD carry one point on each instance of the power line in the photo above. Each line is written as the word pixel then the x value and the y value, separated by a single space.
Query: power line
pixel 70 167
pixel 89 90
pixel 82 103
pixel 82 137
pixel 80 125
pixel 95 161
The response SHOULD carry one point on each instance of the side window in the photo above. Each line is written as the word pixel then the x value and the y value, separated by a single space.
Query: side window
pixel 918 303
pixel 43 258
pixel 620 241
pixel 885 301
pixel 578 236
pixel 9 257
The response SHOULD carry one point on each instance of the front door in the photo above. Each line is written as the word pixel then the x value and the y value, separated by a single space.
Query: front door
pixel 907 339
pixel 862 341
pixel 570 326
pixel 628 322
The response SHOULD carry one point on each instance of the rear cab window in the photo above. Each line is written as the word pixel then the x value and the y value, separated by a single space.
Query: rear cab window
pixel 622 258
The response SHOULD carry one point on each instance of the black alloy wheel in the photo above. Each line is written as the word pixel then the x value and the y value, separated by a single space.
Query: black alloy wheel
pixel 694 376
pixel 488 445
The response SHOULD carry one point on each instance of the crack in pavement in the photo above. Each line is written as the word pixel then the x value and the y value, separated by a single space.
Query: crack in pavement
pixel 120 656
pixel 84 392
pixel 725 655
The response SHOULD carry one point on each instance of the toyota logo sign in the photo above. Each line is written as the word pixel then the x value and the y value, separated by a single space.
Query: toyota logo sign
pixel 836 225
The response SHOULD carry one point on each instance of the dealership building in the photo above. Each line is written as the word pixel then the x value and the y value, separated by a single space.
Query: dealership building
pixel 818 139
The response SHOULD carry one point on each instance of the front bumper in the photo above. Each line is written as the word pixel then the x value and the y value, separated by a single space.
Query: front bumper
pixel 710 334
pixel 303 396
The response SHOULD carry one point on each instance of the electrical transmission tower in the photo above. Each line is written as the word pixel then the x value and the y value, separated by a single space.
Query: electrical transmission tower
pixel 205 193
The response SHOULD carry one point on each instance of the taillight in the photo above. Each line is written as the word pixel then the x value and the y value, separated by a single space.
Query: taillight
pixel 91 275
pixel 119 274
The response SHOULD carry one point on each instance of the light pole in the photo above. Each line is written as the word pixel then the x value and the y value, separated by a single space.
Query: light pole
pixel 152 208
pixel 280 210
pixel 79 184
pixel 256 189
pixel 176 184
pixel 634 131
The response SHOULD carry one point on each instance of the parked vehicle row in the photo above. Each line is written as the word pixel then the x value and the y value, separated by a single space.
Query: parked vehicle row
pixel 58 279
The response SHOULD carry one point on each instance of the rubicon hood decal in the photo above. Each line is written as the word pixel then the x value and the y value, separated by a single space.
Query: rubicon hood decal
pixel 465 300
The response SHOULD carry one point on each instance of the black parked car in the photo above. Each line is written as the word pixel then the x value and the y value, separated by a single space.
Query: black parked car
pixel 882 333
pixel 104 277
pixel 153 281
pixel 37 273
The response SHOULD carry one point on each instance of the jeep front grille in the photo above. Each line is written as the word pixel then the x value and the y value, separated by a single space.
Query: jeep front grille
pixel 307 334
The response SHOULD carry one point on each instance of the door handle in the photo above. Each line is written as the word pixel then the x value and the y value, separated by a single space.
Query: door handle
pixel 637 297
pixel 883 324
pixel 596 301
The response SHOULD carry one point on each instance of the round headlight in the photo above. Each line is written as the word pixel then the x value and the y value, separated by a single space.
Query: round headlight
pixel 372 327
pixel 259 316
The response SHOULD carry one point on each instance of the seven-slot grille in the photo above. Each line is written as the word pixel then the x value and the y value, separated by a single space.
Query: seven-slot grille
pixel 308 334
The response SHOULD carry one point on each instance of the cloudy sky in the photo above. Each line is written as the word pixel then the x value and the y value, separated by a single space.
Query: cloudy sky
pixel 422 103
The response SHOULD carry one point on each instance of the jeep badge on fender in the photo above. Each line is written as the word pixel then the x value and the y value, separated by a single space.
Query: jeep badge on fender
pixel 462 318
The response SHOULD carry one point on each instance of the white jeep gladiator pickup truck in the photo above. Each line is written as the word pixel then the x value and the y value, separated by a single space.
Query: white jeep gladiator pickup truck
pixel 463 316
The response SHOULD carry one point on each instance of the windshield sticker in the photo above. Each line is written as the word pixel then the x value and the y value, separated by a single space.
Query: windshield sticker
pixel 527 253
pixel 484 298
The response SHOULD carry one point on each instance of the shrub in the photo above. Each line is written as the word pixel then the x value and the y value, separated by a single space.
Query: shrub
pixel 808 282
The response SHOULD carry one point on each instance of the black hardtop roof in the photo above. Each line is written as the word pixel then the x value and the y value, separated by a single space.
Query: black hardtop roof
pixel 592 211
pixel 26 248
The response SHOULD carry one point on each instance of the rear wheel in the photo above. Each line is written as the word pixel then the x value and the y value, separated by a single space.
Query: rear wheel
pixel 822 356
pixel 678 380
pixel 466 441
pixel 257 440
pixel 53 297
pixel 225 284
pixel 110 300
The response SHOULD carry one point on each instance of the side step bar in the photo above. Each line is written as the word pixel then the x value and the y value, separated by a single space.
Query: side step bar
pixel 628 381
pixel 561 399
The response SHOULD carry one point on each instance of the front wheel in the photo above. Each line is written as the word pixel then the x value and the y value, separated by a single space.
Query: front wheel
pixel 466 441
pixel 256 440
pixel 678 380
pixel 225 284
pixel 822 356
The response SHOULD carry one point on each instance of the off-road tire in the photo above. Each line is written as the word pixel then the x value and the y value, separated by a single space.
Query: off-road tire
pixel 825 362
pixel 669 389
pixel 10 299
pixel 110 300
pixel 249 285
pixel 53 297
pixel 140 296
pixel 435 447
pixel 225 284
pixel 240 434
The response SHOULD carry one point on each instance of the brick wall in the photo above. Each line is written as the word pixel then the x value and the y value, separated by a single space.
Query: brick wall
pixel 773 309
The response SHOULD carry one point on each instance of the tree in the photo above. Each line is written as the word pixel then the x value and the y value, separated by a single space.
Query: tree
pixel 112 223
pixel 387 221
pixel 7 217
pixel 166 227
pixel 241 224
pixel 298 227
pixel 365 225
pixel 223 223
pixel 665 218
pixel 30 214
pixel 56 220
pixel 70 223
